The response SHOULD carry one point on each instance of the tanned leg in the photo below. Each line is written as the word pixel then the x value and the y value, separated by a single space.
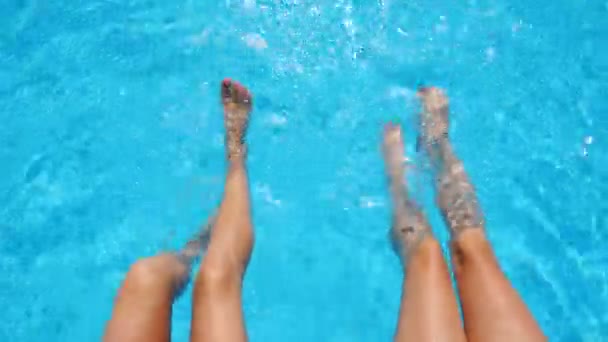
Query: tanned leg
pixel 142 310
pixel 217 308
pixel 493 310
pixel 429 310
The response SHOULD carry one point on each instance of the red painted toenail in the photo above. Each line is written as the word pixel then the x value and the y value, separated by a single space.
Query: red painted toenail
pixel 226 82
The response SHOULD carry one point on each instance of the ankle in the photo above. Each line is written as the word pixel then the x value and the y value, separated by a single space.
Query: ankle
pixel 235 168
pixel 236 152
pixel 235 161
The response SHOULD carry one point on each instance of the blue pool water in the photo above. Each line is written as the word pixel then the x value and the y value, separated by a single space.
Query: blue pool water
pixel 111 149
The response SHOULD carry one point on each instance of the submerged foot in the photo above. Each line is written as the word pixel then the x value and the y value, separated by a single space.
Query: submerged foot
pixel 394 153
pixel 455 193
pixel 237 102
pixel 434 122
pixel 193 249
pixel 409 224
pixel 197 243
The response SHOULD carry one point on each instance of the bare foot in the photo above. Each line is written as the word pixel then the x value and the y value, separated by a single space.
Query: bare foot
pixel 434 117
pixel 237 103
pixel 455 194
pixel 409 224
pixel 394 153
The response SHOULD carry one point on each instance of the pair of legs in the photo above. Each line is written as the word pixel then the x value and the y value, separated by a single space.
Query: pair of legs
pixel 142 310
pixel 492 309
pixel 429 310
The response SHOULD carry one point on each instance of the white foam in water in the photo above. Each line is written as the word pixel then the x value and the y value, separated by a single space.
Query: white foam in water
pixel 249 4
pixel 255 41
pixel 587 141
pixel 199 38
pixel 264 190
pixel 277 120
pixel 403 92
pixel 402 32
pixel 370 202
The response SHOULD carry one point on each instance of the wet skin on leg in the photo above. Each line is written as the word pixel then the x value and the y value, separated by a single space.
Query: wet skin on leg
pixel 429 309
pixel 142 309
pixel 492 308
pixel 217 303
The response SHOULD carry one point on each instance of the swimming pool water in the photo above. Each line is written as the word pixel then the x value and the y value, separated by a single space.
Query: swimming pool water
pixel 111 149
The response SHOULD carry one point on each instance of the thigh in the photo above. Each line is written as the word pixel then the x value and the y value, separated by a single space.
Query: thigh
pixel 492 308
pixel 217 304
pixel 429 308
pixel 142 309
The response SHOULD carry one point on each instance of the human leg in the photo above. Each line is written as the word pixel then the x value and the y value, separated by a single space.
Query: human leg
pixel 492 308
pixel 142 309
pixel 429 309
pixel 217 303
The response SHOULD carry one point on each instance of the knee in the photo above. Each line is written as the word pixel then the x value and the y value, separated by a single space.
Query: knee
pixel 153 272
pixel 218 276
pixel 429 253
pixel 470 246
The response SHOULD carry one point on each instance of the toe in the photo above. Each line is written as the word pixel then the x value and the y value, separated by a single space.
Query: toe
pixel 234 92
pixel 241 94
pixel 389 127
pixel 422 91
pixel 227 90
